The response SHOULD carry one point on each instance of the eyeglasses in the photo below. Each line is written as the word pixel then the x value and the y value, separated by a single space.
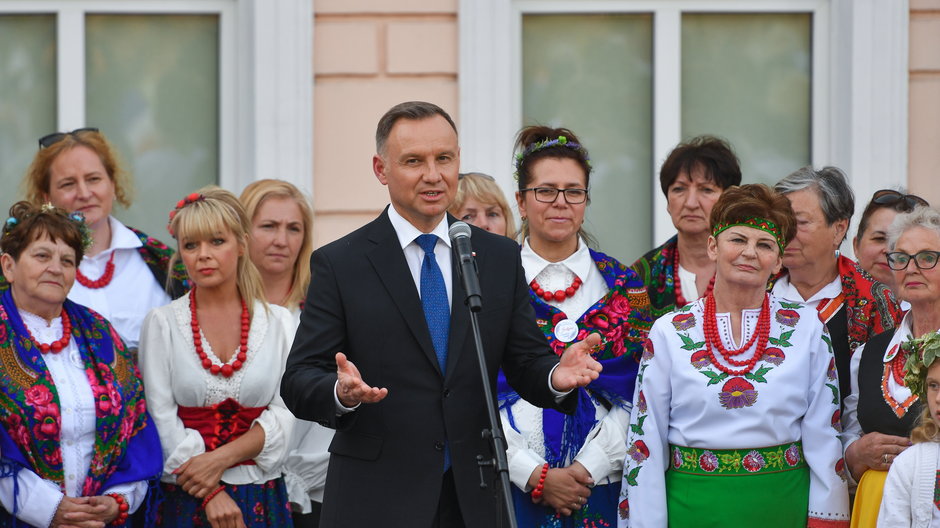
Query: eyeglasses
pixel 898 260
pixel 550 194
pixel 51 139
pixel 893 198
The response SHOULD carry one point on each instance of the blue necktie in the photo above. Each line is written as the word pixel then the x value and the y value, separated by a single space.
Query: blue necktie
pixel 436 308
pixel 434 299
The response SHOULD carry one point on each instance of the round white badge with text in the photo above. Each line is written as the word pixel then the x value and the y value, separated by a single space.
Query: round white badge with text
pixel 566 330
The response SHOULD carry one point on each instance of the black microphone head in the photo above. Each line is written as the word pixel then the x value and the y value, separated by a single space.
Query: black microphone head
pixel 458 229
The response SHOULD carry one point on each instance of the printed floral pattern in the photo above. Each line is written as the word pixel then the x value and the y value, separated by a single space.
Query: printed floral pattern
pixel 655 269
pixel 158 256
pixel 262 505
pixel 31 414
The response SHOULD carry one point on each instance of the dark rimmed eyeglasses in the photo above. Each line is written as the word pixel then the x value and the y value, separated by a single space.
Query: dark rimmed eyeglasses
pixel 894 198
pixel 899 260
pixel 550 194
pixel 51 139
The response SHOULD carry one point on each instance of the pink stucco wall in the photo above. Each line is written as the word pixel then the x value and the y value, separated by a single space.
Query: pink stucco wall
pixel 369 56
pixel 924 114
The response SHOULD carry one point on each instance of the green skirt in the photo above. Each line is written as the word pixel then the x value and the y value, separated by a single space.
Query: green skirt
pixel 766 487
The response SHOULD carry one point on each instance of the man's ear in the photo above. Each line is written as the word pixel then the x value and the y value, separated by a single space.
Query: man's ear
pixel 378 167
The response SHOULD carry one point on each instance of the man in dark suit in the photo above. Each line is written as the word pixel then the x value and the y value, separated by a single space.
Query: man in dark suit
pixel 384 353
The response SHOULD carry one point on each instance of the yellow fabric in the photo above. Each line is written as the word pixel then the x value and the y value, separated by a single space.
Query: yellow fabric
pixel 868 499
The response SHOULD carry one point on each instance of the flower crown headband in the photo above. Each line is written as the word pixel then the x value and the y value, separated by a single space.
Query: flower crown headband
pixel 186 200
pixel 560 141
pixel 757 223
pixel 76 218
pixel 922 352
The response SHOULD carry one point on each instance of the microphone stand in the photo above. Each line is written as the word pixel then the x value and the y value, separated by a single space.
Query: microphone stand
pixel 474 302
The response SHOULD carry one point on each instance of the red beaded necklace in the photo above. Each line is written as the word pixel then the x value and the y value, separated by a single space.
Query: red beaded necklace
pixel 713 339
pixel 229 368
pixel 897 367
pixel 558 295
pixel 56 346
pixel 677 283
pixel 103 281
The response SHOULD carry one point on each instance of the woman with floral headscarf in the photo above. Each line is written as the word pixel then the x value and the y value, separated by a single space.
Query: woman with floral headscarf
pixel 566 468
pixel 78 447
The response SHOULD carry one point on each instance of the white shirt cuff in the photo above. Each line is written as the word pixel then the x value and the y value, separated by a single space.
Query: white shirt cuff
pixel 342 409
pixel 558 394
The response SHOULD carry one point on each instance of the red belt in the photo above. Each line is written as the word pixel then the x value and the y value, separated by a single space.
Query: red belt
pixel 221 423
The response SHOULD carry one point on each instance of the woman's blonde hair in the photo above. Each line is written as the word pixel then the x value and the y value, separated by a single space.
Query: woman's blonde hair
pixel 38 177
pixel 212 210
pixel 253 196
pixel 482 188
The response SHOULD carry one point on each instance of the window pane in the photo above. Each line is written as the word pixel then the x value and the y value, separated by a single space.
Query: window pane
pixel 153 89
pixel 746 77
pixel 597 81
pixel 27 95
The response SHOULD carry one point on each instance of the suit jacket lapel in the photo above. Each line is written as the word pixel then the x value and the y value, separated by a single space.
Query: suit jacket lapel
pixel 389 263
pixel 459 315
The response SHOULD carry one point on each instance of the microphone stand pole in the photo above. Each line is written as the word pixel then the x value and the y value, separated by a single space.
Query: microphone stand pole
pixel 467 270
pixel 495 433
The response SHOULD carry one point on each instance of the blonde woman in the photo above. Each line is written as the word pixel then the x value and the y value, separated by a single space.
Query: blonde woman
pixel 479 201
pixel 214 393
pixel 280 247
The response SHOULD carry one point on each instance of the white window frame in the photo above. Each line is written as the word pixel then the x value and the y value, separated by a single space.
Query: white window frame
pixel 265 78
pixel 859 83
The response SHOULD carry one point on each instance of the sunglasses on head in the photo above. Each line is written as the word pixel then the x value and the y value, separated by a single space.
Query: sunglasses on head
pixel 893 198
pixel 51 139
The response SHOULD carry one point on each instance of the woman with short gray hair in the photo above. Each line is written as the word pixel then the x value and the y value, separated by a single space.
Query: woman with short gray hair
pixel 853 305
pixel 881 411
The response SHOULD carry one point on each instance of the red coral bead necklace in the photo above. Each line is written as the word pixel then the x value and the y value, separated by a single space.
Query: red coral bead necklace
pixel 100 282
pixel 713 339
pixel 229 368
pixel 56 346
pixel 677 283
pixel 897 367
pixel 558 295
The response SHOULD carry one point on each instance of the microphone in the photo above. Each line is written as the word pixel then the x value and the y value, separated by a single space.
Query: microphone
pixel 459 233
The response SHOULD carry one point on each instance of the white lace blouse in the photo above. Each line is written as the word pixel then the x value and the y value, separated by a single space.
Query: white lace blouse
pixel 174 375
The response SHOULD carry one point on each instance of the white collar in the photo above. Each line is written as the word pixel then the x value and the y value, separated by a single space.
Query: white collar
pixel 407 233
pixel 785 289
pixel 579 262
pixel 121 236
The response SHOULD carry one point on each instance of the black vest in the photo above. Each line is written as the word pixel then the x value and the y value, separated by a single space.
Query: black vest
pixel 874 413
pixel 838 326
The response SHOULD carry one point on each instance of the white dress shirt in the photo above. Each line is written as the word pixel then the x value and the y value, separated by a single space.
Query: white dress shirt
pixel 132 292
pixel 783 289
pixel 38 499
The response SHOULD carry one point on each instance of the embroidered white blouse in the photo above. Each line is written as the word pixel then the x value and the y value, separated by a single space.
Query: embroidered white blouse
pixel 132 292
pixel 603 450
pixel 681 398
pixel 173 376
pixel 38 499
